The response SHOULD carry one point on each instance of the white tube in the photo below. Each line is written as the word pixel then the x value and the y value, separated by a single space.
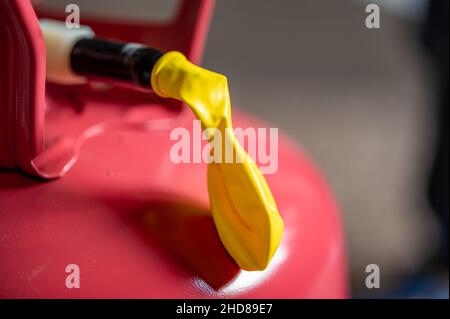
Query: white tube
pixel 59 42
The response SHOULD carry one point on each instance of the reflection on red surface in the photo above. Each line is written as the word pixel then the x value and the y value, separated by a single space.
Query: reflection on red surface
pixel 188 233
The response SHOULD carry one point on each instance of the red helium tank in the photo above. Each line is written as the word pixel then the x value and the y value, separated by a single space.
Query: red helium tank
pixel 86 180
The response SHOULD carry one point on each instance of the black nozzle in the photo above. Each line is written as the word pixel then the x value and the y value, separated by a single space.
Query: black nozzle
pixel 131 63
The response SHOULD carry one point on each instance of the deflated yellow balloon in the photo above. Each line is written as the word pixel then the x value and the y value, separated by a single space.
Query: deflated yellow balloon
pixel 243 208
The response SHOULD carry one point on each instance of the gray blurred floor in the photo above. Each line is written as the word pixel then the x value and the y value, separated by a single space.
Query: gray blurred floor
pixel 353 98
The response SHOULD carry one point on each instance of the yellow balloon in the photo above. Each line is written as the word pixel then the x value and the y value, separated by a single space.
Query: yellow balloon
pixel 243 207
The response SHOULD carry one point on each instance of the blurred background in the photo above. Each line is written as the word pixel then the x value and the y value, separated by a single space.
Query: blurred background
pixel 363 103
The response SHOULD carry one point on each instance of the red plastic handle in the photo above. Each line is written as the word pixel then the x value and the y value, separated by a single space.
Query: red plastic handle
pixel 22 85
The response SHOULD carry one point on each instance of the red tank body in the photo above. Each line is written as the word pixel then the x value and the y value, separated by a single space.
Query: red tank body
pixel 86 179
